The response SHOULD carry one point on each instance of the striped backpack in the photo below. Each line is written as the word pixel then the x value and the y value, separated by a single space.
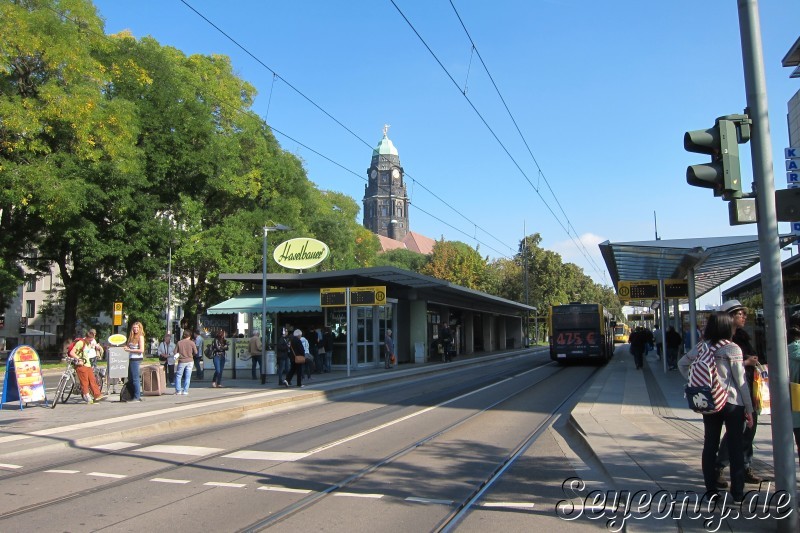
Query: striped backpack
pixel 704 392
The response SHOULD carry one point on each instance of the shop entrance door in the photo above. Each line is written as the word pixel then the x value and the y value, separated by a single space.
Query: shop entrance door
pixel 365 337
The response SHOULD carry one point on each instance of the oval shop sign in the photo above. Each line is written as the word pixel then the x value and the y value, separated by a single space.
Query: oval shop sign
pixel 300 253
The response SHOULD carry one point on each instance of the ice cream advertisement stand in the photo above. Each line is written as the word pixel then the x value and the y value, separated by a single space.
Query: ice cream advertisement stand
pixel 23 380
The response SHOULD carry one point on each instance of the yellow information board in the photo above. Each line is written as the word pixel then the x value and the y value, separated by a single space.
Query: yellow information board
pixel 638 290
pixel 332 297
pixel 368 295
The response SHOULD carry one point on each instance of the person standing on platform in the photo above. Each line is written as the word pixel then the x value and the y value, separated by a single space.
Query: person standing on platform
pixel 199 366
pixel 659 343
pixel 739 315
pixel 282 357
pixel 734 415
pixel 388 348
pixel 327 342
pixel 83 367
pixel 254 347
pixel 296 349
pixel 637 340
pixel 793 336
pixel 166 354
pixel 135 349
pixel 185 353
pixel 219 349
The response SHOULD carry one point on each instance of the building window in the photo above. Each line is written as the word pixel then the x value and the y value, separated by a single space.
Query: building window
pixel 30 308
pixel 384 211
pixel 30 284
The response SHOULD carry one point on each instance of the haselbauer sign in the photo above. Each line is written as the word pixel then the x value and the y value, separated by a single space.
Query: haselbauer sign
pixel 300 253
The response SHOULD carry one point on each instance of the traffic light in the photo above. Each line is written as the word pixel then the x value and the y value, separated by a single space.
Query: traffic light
pixel 721 142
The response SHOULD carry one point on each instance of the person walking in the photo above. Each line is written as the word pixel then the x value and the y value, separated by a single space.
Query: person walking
pixel 674 342
pixel 638 340
pixel 83 367
pixel 135 349
pixel 735 414
pixel 185 352
pixel 296 351
pixel 388 349
pixel 308 366
pixel 219 349
pixel 739 315
pixel 282 357
pixel 166 354
pixel 254 347
pixel 199 366
pixel 659 342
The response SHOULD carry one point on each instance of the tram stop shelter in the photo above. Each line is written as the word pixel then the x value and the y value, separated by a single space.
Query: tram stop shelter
pixel 705 263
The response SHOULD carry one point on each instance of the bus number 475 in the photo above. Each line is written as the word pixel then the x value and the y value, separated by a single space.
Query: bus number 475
pixel 569 338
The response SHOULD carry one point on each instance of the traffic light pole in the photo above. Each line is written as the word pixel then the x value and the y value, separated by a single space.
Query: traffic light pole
pixel 769 249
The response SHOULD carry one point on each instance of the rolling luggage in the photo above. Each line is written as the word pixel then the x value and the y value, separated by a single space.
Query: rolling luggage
pixel 154 381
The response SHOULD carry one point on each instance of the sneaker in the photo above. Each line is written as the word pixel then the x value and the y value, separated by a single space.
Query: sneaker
pixel 751 477
pixel 100 398
pixel 138 399
pixel 721 482
pixel 178 393
pixel 185 393
pixel 285 383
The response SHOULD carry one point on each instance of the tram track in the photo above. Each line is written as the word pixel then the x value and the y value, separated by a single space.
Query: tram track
pixel 338 486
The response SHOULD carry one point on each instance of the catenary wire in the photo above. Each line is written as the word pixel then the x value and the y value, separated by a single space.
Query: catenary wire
pixel 578 245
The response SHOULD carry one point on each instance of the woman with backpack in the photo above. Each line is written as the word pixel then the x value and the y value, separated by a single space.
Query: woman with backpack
pixel 737 409
pixel 219 349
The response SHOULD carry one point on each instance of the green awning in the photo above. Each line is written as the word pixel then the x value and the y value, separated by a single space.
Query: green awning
pixel 280 301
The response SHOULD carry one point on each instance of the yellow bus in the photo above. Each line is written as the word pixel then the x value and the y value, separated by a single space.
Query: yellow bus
pixel 622 332
pixel 581 331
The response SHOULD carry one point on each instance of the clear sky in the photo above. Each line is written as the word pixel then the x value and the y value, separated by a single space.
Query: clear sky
pixel 602 93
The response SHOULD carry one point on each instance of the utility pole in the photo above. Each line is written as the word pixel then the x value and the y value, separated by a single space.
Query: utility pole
pixel 769 249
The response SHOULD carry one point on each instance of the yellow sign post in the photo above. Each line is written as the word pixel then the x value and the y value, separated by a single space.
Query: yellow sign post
pixel 332 297
pixel 368 295
pixel 117 313
pixel 638 290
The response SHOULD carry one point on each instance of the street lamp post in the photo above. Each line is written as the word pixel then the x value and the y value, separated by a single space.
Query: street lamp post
pixel 267 229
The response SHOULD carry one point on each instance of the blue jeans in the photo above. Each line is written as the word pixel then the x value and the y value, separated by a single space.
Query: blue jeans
pixel 282 369
pixel 183 376
pixel 134 377
pixel 219 366
pixel 328 359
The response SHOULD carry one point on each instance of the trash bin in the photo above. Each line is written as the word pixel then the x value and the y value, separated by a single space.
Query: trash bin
pixel 272 363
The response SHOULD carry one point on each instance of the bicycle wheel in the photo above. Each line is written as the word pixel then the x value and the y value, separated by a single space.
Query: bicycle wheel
pixel 62 385
pixel 68 388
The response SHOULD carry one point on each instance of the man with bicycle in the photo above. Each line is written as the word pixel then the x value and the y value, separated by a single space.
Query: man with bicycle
pixel 80 354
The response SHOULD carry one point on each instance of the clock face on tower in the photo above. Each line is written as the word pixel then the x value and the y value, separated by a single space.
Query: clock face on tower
pixel 395 173
pixel 373 174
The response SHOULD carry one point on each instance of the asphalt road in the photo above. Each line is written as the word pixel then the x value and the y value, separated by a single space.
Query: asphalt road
pixel 482 447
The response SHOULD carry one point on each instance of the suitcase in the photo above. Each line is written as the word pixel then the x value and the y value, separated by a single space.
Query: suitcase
pixel 154 381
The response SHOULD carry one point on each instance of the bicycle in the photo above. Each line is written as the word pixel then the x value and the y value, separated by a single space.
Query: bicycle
pixel 69 383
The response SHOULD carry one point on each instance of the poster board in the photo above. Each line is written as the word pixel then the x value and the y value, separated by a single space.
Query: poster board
pixel 23 380
pixel 117 362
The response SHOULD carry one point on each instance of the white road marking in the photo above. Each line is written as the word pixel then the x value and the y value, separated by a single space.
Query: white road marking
pixel 12 467
pixel 183 408
pixel 508 505
pixel 61 471
pixel 106 474
pixel 404 418
pixel 112 446
pixel 179 450
pixel 167 480
pixel 358 495
pixel 429 500
pixel 275 488
pixel 266 456
pixel 228 485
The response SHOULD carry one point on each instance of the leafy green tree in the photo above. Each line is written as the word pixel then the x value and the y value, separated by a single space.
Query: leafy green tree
pixel 458 263
pixel 402 258
pixel 68 159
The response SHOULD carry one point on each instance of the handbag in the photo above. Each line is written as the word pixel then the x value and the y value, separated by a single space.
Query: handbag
pixel 761 390
pixel 794 388
pixel 298 359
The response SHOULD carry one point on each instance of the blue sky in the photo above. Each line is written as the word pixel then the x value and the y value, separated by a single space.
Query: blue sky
pixel 601 91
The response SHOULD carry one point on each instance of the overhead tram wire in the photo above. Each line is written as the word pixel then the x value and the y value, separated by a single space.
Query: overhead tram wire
pixel 514 121
pixel 308 99
pixel 276 75
pixel 354 173
pixel 578 245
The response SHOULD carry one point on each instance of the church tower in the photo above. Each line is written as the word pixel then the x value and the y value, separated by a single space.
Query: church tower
pixel 385 199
